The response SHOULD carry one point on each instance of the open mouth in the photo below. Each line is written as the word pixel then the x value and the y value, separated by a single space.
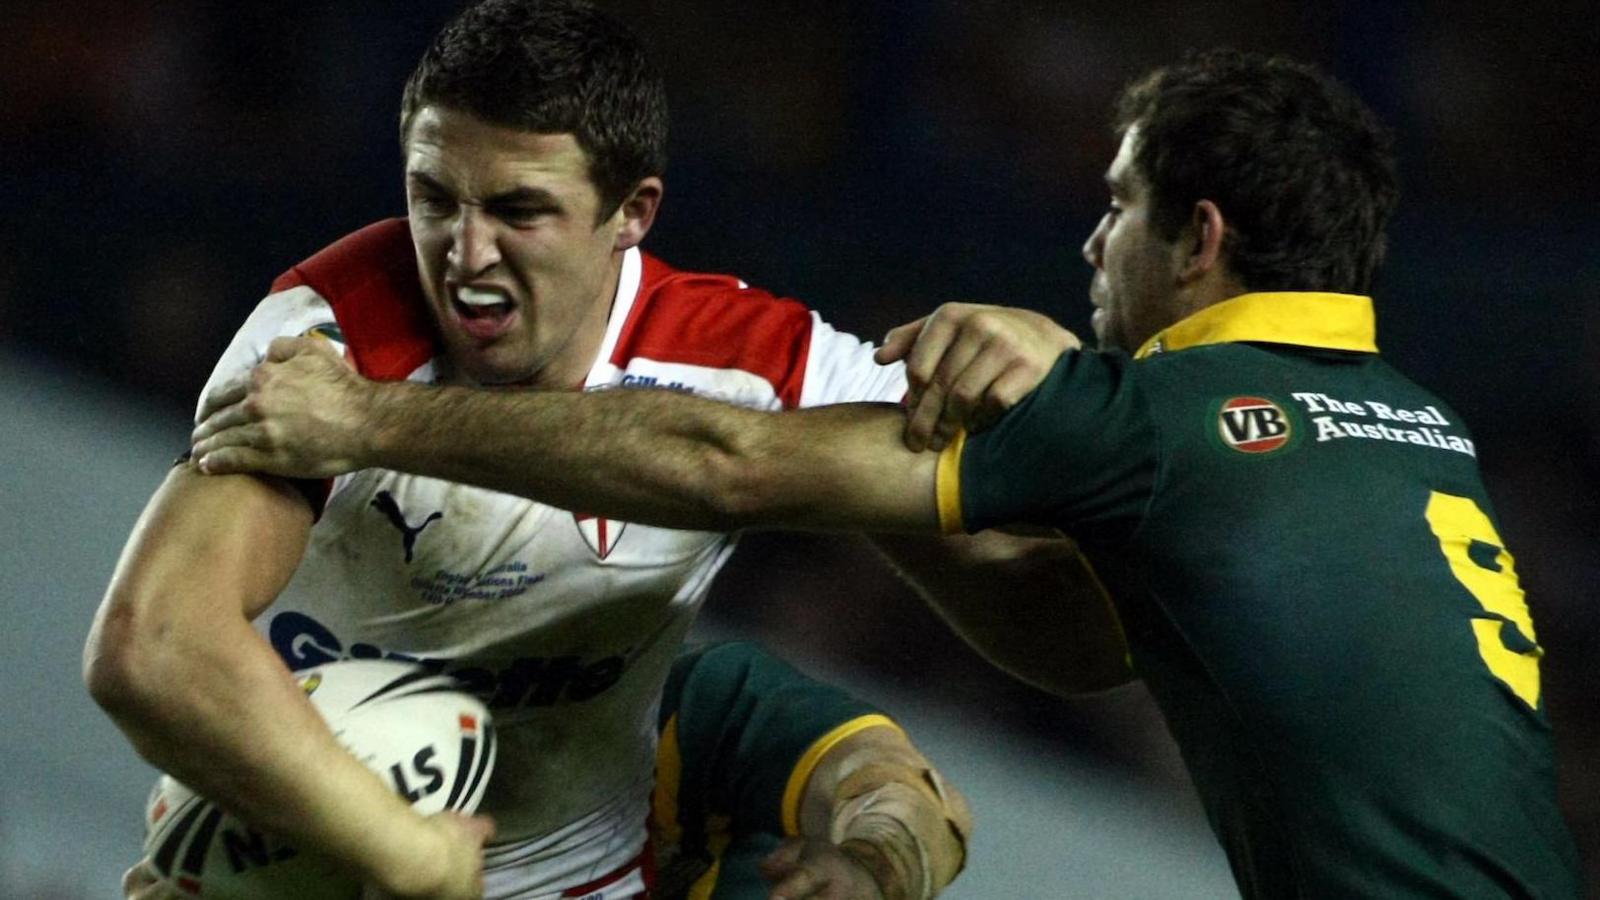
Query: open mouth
pixel 483 314
pixel 476 303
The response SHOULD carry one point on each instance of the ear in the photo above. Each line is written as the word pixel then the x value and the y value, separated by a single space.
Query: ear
pixel 638 213
pixel 1205 253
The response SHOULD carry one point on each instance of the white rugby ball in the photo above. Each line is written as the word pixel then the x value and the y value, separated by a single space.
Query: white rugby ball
pixel 429 740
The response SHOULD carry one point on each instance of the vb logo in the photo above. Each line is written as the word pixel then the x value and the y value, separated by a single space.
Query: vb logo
pixel 1252 425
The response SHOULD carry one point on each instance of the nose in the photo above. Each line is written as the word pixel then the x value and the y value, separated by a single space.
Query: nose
pixel 474 243
pixel 1094 247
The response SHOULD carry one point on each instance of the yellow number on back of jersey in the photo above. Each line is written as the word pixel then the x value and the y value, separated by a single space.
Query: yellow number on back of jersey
pixel 1457 522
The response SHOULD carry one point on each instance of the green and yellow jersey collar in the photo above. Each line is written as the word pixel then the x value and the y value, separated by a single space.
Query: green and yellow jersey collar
pixel 1302 318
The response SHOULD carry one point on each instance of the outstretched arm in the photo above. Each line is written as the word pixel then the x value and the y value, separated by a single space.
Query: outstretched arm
pixel 174 661
pixel 656 457
pixel 298 414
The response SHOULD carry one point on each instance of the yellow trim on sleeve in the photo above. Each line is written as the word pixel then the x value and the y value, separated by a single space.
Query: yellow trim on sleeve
pixel 1303 318
pixel 719 835
pixel 948 489
pixel 669 778
pixel 706 883
pixel 795 789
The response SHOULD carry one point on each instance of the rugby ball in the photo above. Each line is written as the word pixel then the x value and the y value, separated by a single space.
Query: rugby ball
pixel 429 740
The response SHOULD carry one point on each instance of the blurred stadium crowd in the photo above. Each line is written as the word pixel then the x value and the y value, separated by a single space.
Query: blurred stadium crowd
pixel 164 161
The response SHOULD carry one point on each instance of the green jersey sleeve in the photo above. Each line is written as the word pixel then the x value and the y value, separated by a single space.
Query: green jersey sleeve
pixel 745 728
pixel 1080 452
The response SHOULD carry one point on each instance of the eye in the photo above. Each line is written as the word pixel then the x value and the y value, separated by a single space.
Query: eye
pixel 521 215
pixel 432 204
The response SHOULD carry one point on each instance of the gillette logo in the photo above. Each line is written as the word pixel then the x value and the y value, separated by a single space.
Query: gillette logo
pixel 303 642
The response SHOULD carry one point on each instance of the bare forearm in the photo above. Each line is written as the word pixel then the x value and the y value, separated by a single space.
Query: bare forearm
pixel 662 458
pixel 239 731
pixel 200 695
pixel 656 457
pixel 1031 606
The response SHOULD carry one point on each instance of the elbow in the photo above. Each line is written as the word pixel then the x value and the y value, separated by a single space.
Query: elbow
pixel 126 665
pixel 114 663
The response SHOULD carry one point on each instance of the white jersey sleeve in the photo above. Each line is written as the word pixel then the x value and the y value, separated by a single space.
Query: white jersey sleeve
pixel 287 313
pixel 840 369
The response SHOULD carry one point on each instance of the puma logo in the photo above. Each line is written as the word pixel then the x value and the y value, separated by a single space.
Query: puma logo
pixel 385 503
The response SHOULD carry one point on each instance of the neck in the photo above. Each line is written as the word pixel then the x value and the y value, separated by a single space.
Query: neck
pixel 1209 289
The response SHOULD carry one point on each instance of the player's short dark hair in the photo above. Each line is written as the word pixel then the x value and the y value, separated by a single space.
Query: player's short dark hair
pixel 1302 170
pixel 551 67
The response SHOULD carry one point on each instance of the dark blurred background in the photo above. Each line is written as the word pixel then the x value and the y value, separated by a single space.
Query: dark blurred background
pixel 163 162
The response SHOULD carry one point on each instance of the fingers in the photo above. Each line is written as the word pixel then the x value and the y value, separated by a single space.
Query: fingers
pixel 897 343
pixel 969 363
pixel 238 461
pixel 971 399
pixel 801 869
pixel 142 883
pixel 226 417
pixel 228 394
pixel 938 332
pixel 237 431
pixel 284 348
pixel 479 827
pixel 136 877
pixel 280 412
pixel 925 360
pixel 797 885
pixel 231 442
pixel 939 400
pixel 781 860
pixel 468 833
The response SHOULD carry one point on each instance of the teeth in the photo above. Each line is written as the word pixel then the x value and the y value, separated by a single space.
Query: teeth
pixel 479 297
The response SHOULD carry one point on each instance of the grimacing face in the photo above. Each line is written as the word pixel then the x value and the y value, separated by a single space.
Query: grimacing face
pixel 1135 284
pixel 517 274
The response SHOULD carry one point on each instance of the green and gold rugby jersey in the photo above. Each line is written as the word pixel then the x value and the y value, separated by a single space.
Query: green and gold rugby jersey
pixel 741 732
pixel 1312 585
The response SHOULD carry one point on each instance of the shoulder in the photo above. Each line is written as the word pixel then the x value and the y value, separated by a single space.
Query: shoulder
pixel 716 323
pixel 369 280
pixel 697 314
pixel 379 252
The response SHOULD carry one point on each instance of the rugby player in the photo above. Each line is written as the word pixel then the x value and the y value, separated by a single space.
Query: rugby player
pixel 533 137
pixel 1296 536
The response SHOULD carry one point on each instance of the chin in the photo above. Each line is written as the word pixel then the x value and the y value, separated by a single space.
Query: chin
pixel 501 376
pixel 488 373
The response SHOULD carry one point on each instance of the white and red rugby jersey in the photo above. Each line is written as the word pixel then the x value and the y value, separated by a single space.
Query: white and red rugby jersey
pixel 565 623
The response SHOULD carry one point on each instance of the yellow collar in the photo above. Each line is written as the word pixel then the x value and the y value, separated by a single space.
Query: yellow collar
pixel 1302 318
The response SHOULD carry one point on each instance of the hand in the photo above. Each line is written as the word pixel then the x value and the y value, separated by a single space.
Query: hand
pixel 968 363
pixel 141 883
pixel 806 869
pixel 301 413
pixel 457 867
